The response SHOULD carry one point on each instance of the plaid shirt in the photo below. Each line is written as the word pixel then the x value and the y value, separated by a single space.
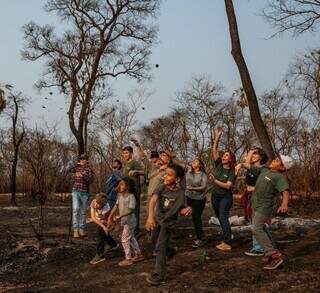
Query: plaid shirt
pixel 83 177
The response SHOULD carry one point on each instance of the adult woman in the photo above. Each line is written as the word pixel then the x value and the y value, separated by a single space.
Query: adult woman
pixel 196 184
pixel 223 181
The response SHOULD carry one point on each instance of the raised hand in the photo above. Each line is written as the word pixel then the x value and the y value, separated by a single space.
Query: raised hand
pixel 218 131
pixel 135 142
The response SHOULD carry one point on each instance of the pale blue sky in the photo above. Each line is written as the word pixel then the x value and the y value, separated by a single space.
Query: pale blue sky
pixel 193 39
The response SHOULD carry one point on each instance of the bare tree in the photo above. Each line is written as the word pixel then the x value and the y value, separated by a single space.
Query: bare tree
pixel 104 39
pixel 283 113
pixel 116 122
pixel 304 77
pixel 296 16
pixel 249 90
pixel 165 132
pixel 201 101
pixel 14 108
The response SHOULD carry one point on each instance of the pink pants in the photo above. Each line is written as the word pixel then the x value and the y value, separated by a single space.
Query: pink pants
pixel 129 242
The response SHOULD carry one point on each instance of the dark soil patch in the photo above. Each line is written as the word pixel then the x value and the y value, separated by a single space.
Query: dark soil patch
pixel 62 265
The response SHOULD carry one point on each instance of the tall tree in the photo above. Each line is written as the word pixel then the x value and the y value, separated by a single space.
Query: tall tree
pixel 14 109
pixel 251 96
pixel 104 39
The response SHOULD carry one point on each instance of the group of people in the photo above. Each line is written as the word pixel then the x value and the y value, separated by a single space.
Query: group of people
pixel 177 189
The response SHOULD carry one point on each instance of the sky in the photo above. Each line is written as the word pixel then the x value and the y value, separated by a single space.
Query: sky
pixel 193 39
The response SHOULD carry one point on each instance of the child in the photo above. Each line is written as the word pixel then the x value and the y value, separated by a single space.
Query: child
pixel 99 215
pixel 167 200
pixel 125 207
pixel 270 184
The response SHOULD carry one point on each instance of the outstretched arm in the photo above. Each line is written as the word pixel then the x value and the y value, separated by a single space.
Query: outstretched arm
pixel 140 151
pixel 247 162
pixel 217 136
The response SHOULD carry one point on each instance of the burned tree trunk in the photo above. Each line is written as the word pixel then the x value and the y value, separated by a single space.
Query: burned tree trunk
pixel 236 52
pixel 16 141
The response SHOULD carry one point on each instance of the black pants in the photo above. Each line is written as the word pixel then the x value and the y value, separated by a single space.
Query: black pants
pixel 222 206
pixel 103 238
pixel 163 247
pixel 197 206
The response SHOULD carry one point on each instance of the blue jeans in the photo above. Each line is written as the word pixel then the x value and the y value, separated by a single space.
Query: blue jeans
pixel 222 206
pixel 79 209
pixel 255 244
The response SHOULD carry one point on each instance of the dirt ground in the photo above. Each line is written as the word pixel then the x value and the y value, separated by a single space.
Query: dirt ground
pixel 57 264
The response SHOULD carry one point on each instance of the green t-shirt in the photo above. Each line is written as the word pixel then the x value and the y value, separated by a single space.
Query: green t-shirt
pixel 133 165
pixel 267 189
pixel 223 175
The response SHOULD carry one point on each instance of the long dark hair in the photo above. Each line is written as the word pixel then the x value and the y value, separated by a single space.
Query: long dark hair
pixel 233 160
pixel 202 166
pixel 263 156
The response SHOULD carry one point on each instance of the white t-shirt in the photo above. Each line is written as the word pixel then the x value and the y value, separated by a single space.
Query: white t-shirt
pixel 125 205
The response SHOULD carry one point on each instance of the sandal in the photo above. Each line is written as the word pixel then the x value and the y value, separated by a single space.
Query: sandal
pixel 137 258
pixel 125 263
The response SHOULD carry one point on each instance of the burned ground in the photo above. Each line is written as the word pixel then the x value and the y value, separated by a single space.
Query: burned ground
pixel 57 264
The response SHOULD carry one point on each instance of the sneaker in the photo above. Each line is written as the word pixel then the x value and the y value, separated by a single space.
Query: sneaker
pixel 254 253
pixel 266 259
pixel 125 263
pixel 112 248
pixel 197 243
pixel 76 233
pixel 275 261
pixel 224 246
pixel 97 259
pixel 82 233
pixel 155 279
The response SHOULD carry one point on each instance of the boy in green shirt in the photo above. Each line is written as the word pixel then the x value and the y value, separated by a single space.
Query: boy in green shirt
pixel 270 184
pixel 168 200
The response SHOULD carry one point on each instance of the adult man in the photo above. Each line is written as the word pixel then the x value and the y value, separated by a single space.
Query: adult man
pixel 83 177
pixel 154 167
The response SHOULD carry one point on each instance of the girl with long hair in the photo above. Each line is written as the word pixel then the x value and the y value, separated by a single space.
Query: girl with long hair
pixel 223 181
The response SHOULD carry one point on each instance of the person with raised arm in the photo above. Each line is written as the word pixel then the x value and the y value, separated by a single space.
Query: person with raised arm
pixel 223 179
